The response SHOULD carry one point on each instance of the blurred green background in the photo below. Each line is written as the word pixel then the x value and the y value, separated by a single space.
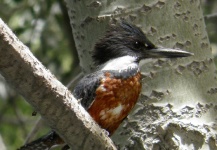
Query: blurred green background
pixel 44 27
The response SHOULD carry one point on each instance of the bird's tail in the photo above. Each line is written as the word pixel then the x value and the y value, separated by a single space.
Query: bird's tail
pixel 44 143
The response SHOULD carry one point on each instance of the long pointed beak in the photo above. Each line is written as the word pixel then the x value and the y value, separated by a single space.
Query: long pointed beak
pixel 167 53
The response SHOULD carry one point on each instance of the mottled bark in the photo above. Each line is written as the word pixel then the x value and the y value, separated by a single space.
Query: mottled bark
pixel 177 108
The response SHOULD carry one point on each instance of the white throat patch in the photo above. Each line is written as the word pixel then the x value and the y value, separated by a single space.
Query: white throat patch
pixel 120 63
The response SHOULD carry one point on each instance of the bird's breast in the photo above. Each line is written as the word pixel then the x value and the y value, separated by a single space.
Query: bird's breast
pixel 114 99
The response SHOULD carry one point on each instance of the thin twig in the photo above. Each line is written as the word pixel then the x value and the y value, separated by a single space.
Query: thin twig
pixel 34 130
pixel 210 16
pixel 76 78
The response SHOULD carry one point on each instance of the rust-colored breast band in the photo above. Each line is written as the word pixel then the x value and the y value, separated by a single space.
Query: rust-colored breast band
pixel 114 99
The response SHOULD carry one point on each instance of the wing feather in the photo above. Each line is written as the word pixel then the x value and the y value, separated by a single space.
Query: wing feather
pixel 86 87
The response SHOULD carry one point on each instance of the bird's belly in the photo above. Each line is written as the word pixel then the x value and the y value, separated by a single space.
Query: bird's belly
pixel 114 99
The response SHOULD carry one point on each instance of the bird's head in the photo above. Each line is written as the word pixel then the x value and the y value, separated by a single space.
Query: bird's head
pixel 124 39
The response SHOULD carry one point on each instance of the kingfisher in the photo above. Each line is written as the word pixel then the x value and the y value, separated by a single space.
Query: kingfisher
pixel 110 93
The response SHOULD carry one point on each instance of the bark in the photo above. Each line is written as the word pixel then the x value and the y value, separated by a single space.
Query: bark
pixel 177 108
pixel 2 145
pixel 47 95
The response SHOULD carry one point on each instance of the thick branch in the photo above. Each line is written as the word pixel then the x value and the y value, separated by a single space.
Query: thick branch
pixel 47 95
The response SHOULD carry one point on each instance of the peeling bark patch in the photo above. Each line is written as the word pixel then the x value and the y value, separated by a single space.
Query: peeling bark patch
pixel 145 9
pixel 150 75
pixel 119 10
pixel 212 91
pixel 204 45
pixel 161 63
pixel 195 27
pixel 174 35
pixel 199 67
pixel 152 31
pixel 158 120
pixel 182 45
pixel 160 4
pixel 186 132
pixel 95 4
pixel 187 111
pixel 202 109
pixel 197 34
pixel 180 69
pixel 145 98
pixel 177 15
pixel 132 17
pixel 72 14
pixel 79 36
pixel 166 38
pixel 86 21
pixel 179 45
pixel 194 1
pixel 82 37
pixel 177 5
pixel 204 38
pixel 155 96
pixel 188 43
pixel 184 16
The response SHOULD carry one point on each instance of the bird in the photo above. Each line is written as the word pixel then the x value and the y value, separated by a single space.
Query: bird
pixel 110 92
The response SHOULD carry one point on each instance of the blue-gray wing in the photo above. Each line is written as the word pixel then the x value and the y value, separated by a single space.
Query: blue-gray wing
pixel 86 87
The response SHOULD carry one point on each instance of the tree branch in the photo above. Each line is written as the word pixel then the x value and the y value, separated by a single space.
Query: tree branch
pixel 2 145
pixel 47 95
pixel 210 16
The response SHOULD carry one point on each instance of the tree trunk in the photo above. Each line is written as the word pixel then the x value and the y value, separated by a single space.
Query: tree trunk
pixel 177 108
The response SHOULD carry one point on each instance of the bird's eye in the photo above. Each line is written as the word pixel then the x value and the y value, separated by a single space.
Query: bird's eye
pixel 138 45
